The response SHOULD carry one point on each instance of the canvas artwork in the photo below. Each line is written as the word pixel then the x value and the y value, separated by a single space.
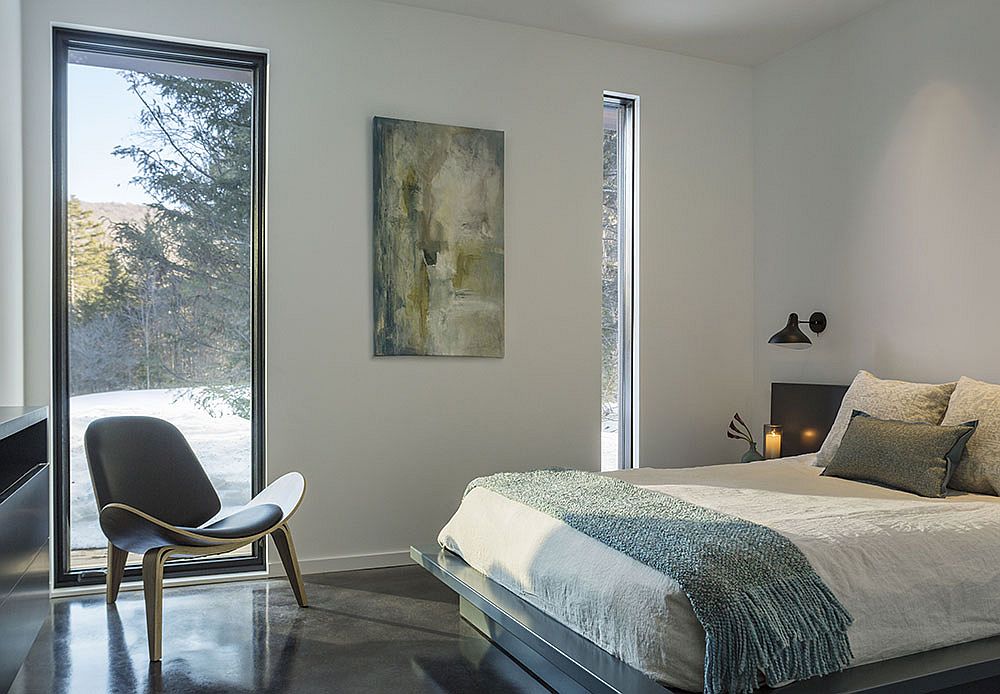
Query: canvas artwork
pixel 439 240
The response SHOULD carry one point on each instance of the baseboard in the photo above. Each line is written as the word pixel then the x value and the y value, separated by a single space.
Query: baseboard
pixel 351 562
pixel 168 582
pixel 274 569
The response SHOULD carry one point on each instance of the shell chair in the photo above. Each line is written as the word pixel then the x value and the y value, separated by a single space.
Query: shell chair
pixel 155 500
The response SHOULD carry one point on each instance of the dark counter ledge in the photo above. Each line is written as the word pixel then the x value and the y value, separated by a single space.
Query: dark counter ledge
pixel 15 419
pixel 23 445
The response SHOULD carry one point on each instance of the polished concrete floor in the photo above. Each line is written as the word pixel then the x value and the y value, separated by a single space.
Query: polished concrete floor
pixel 382 630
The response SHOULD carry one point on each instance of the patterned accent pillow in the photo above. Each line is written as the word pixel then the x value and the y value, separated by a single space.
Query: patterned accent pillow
pixel 979 469
pixel 897 400
pixel 911 456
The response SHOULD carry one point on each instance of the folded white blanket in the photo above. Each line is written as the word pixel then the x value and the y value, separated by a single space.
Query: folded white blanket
pixel 915 574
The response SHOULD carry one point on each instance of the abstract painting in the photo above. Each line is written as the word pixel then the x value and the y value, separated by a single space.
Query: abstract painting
pixel 439 240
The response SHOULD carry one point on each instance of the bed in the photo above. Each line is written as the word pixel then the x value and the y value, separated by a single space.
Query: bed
pixel 919 576
pixel 641 616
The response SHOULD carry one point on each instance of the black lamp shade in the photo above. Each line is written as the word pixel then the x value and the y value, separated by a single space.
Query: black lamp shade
pixel 790 336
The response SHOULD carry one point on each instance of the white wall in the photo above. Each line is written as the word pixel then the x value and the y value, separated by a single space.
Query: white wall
pixel 877 174
pixel 388 445
pixel 11 277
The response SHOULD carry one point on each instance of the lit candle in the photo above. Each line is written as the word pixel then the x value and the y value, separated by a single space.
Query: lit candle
pixel 772 441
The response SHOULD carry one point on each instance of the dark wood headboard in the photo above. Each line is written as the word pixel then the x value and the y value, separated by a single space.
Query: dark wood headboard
pixel 805 412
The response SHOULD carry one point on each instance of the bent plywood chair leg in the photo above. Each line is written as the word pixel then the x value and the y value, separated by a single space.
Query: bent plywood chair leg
pixel 282 537
pixel 152 585
pixel 116 570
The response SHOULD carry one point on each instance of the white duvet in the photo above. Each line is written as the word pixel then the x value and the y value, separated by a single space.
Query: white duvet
pixel 914 573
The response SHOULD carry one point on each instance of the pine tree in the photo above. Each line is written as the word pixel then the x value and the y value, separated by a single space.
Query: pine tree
pixel 89 253
pixel 100 351
pixel 193 257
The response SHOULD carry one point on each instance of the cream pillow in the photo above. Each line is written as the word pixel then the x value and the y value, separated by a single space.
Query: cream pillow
pixel 979 469
pixel 895 400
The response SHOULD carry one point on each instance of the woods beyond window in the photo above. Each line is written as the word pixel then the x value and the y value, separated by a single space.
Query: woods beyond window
pixel 158 273
pixel 617 283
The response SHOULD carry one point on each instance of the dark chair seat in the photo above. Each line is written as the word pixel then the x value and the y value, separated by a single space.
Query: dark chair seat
pixel 242 523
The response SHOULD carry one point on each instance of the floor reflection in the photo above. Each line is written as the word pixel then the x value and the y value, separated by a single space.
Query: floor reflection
pixel 393 630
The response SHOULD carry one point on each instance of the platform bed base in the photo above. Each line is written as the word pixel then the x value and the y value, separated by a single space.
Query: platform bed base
pixel 567 662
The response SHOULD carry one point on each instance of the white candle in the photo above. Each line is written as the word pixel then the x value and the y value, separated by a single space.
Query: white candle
pixel 772 441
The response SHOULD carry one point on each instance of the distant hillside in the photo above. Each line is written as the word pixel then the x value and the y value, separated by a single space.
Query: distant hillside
pixel 111 213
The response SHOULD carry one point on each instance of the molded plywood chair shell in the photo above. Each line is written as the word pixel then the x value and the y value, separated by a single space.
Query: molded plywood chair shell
pixel 156 500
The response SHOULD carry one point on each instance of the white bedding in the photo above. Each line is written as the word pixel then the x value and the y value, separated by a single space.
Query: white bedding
pixel 914 573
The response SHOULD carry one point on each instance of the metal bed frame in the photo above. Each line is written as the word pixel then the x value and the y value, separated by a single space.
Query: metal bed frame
pixel 568 663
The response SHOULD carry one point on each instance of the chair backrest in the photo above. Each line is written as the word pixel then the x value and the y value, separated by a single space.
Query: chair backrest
pixel 147 463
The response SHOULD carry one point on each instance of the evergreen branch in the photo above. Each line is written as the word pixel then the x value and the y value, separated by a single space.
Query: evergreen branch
pixel 166 133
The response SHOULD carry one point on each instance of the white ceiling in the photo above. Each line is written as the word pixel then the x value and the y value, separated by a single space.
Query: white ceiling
pixel 744 32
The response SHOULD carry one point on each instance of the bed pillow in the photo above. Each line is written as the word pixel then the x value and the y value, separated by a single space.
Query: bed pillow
pixel 897 400
pixel 911 456
pixel 979 469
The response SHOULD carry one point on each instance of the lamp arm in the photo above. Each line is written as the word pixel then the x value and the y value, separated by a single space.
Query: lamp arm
pixel 816 322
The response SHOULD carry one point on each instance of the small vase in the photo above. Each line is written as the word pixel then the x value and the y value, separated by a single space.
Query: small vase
pixel 751 456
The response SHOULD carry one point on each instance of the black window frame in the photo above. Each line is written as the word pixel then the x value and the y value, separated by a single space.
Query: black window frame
pixel 63 41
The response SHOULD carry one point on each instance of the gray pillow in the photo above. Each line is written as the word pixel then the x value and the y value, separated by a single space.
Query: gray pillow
pixel 898 400
pixel 979 469
pixel 911 456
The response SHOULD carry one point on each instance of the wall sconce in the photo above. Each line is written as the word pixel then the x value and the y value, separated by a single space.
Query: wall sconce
pixel 772 441
pixel 791 337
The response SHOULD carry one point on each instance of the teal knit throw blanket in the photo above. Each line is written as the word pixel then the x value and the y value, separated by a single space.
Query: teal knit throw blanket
pixel 762 605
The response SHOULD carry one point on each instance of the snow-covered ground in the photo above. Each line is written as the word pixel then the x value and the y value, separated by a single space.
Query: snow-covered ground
pixel 609 450
pixel 609 439
pixel 222 444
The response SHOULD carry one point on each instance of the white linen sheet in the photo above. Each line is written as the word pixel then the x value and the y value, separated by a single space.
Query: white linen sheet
pixel 914 573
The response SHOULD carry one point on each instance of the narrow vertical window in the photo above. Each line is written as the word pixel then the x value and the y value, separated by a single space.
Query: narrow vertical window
pixel 617 282
pixel 158 229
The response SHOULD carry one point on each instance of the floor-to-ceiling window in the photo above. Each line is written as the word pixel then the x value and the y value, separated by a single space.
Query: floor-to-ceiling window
pixel 618 282
pixel 158 226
